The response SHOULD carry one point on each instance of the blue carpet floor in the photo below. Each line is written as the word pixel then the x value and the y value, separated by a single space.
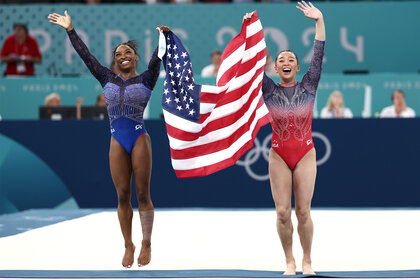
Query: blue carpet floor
pixel 11 224
pixel 199 274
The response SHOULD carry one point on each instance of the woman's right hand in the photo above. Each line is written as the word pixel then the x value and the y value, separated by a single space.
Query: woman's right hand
pixel 248 16
pixel 63 21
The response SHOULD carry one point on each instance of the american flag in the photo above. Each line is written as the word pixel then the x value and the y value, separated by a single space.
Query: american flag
pixel 211 127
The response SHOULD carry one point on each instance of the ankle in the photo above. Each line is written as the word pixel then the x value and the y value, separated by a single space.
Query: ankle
pixel 146 243
pixel 129 245
pixel 307 261
pixel 290 261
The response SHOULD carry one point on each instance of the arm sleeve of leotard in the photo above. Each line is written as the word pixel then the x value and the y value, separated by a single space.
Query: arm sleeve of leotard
pixel 311 79
pixel 150 76
pixel 99 72
pixel 268 86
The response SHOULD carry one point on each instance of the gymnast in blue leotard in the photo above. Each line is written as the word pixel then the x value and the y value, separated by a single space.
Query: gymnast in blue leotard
pixel 126 95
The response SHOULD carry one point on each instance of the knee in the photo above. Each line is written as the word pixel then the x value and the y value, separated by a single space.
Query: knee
pixel 283 214
pixel 303 214
pixel 124 196
pixel 143 196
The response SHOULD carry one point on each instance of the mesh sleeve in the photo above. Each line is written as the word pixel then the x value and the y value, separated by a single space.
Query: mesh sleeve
pixel 150 76
pixel 311 79
pixel 268 86
pixel 99 72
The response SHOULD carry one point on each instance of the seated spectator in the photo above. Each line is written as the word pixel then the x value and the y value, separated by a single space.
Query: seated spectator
pixel 399 109
pixel 212 69
pixel 20 51
pixel 100 100
pixel 335 107
pixel 52 100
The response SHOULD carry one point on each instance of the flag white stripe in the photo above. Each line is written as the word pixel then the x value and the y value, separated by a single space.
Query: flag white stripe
pixel 229 61
pixel 213 89
pixel 253 28
pixel 201 161
pixel 206 107
pixel 252 52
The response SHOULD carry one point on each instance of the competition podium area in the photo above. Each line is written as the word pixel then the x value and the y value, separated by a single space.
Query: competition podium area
pixel 208 244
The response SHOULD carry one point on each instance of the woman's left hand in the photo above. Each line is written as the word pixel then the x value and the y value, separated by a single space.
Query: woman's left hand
pixel 310 10
pixel 163 28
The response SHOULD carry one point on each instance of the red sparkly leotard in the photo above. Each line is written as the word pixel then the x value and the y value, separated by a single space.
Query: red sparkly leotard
pixel 291 111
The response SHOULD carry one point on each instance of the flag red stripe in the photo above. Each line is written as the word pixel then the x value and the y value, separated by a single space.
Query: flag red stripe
pixel 209 169
pixel 254 39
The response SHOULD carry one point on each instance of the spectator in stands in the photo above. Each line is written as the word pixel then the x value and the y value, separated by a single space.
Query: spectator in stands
pixel 211 70
pixel 399 109
pixel 20 51
pixel 335 107
pixel 52 100
pixel 100 100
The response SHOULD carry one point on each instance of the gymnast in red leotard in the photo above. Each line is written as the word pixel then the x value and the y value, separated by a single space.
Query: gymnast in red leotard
pixel 292 160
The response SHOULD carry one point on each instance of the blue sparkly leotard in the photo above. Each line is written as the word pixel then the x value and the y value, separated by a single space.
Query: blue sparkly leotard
pixel 291 108
pixel 125 99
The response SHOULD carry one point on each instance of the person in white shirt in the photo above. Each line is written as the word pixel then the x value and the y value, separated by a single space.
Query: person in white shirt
pixel 399 109
pixel 335 107
pixel 211 70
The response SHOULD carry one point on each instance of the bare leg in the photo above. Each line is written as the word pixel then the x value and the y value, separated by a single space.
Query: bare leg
pixel 281 189
pixel 120 164
pixel 142 167
pixel 304 184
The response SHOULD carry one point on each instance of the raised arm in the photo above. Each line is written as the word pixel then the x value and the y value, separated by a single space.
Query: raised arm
pixel 268 86
pixel 311 79
pixel 100 72
pixel 150 76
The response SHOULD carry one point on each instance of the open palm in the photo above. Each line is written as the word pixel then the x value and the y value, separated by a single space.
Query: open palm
pixel 310 10
pixel 63 21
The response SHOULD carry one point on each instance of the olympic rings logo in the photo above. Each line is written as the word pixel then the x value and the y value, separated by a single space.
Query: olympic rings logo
pixel 263 149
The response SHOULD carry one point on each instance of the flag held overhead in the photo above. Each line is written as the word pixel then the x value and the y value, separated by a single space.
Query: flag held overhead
pixel 211 127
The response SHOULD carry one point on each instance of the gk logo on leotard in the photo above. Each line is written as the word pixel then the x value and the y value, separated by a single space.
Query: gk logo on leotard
pixel 253 155
pixel 138 126
pixel 308 142
pixel 112 130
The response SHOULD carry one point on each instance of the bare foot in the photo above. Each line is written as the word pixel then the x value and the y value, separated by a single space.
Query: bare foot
pixel 291 268
pixel 128 258
pixel 307 268
pixel 145 253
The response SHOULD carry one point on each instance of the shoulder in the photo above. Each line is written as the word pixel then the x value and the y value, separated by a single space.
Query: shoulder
pixel 325 113
pixel 411 112
pixel 9 40
pixel 387 111
pixel 347 113
pixel 10 37
pixel 31 39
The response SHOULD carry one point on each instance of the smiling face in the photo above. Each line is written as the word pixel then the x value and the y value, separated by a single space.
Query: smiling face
pixel 125 58
pixel 287 66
